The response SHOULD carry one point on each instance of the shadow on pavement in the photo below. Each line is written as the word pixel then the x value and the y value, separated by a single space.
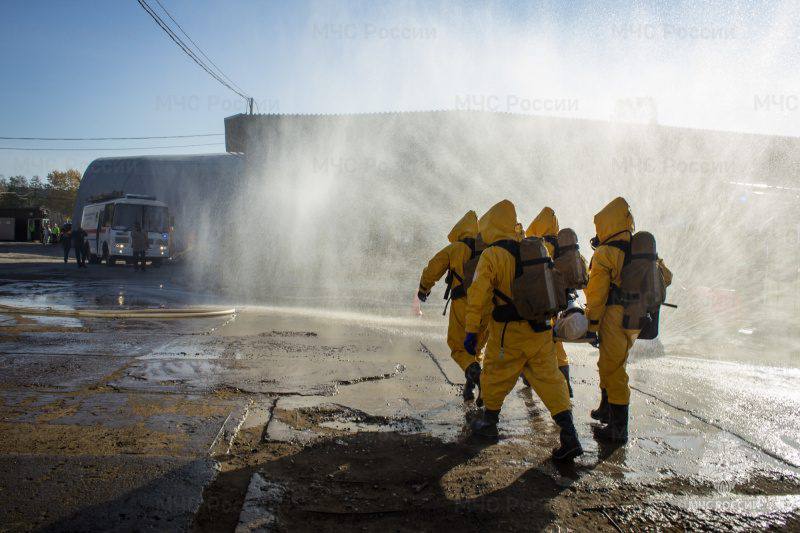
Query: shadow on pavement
pixel 376 481
pixel 166 502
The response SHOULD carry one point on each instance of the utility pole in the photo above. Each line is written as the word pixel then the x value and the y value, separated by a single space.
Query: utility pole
pixel 250 104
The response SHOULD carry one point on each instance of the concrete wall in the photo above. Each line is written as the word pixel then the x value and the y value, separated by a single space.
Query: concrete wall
pixel 353 206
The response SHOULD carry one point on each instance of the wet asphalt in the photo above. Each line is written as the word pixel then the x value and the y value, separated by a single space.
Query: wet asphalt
pixel 121 424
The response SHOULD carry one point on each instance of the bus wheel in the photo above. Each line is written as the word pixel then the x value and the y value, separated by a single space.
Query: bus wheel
pixel 111 261
pixel 105 254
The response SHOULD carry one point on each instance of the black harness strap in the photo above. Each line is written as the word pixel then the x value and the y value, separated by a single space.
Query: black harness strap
pixel 539 327
pixel 461 291
pixel 508 313
pixel 608 240
pixel 449 282
pixel 615 296
pixel 625 246
pixel 511 247
pixel 539 261
pixel 451 274
pixel 451 293
pixel 503 297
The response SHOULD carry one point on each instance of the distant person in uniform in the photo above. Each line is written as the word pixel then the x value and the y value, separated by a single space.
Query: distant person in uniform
pixel 78 243
pixel 139 245
pixel 56 238
pixel 66 240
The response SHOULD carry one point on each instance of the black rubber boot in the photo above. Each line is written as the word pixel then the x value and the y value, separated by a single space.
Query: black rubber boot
pixel 570 445
pixel 565 370
pixel 486 426
pixel 601 413
pixel 616 431
pixel 469 391
pixel 473 375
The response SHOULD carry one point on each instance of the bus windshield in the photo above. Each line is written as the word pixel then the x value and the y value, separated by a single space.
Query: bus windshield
pixel 151 217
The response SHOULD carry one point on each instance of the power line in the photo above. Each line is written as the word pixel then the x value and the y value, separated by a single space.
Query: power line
pixel 183 46
pixel 196 45
pixel 26 149
pixel 110 138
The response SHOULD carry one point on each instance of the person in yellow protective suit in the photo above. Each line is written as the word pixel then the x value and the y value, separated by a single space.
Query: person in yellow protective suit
pixel 613 223
pixel 452 258
pixel 515 346
pixel 545 226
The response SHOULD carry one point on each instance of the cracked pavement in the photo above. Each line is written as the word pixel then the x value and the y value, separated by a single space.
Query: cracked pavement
pixel 306 419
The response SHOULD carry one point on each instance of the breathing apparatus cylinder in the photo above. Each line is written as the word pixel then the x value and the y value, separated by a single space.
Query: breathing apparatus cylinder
pixel 572 324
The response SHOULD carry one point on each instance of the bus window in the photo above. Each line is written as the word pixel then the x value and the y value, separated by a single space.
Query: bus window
pixel 89 219
pixel 108 215
pixel 156 219
pixel 152 218
pixel 126 216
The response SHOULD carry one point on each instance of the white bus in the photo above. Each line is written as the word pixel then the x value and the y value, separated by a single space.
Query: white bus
pixel 108 223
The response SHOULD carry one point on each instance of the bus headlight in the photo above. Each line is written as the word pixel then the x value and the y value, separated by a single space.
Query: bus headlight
pixel 120 246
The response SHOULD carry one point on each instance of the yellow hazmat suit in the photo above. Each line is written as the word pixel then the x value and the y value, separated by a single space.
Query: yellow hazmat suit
pixel 613 223
pixel 513 348
pixel 452 257
pixel 546 225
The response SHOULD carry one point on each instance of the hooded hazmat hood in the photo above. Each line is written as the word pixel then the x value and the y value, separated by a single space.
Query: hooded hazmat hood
pixel 613 219
pixel 545 224
pixel 498 223
pixel 466 228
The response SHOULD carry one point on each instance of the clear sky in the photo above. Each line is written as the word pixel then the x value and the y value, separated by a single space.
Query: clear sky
pixel 103 68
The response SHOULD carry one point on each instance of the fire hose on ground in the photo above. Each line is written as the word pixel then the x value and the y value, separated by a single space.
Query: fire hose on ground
pixel 162 314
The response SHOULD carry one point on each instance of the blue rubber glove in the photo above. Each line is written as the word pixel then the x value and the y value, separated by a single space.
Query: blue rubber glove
pixel 471 343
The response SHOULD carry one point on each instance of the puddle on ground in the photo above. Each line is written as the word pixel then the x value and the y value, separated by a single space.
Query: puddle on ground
pixel 275 333
pixel 187 350
pixel 178 370
pixel 328 419
pixel 61 321
pixel 102 294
